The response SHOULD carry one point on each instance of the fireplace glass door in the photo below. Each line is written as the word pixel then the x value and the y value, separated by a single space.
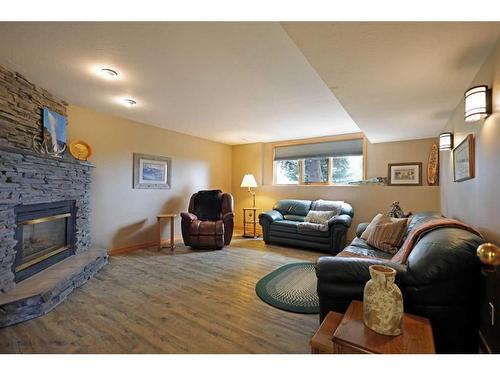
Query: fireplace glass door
pixel 45 236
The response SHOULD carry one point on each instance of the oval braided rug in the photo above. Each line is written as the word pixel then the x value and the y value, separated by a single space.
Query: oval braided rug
pixel 291 288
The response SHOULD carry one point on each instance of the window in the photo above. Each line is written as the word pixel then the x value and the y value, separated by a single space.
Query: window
pixel 316 170
pixel 323 163
pixel 346 169
pixel 287 172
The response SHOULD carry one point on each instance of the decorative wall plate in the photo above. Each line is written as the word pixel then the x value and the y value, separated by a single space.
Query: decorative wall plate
pixel 80 150
pixel 433 165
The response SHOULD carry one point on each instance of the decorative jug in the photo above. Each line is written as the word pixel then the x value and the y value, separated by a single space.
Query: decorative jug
pixel 383 302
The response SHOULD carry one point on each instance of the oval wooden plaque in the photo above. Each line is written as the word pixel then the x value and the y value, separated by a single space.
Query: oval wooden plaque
pixel 433 165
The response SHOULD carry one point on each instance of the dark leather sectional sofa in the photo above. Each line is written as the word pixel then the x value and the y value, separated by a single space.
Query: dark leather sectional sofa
pixel 439 282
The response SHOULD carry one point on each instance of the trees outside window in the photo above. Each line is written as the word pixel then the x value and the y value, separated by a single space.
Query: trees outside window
pixel 343 170
pixel 287 172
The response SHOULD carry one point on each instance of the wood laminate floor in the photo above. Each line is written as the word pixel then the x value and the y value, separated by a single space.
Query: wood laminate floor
pixel 185 302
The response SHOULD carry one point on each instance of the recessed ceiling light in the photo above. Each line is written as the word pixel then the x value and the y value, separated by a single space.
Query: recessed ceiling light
pixel 129 102
pixel 109 73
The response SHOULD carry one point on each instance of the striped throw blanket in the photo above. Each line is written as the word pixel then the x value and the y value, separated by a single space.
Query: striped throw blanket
pixel 421 230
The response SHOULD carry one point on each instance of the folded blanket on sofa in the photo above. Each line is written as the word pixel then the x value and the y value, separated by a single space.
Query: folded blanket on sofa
pixel 421 230
pixel 307 226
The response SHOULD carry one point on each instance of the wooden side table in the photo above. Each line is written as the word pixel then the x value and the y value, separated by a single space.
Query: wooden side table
pixel 349 335
pixel 158 219
pixel 250 220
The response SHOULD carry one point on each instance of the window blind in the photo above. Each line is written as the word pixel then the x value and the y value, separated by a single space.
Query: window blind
pixel 350 147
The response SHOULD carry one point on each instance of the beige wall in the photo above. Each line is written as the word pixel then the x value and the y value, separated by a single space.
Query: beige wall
pixel 366 200
pixel 122 216
pixel 477 201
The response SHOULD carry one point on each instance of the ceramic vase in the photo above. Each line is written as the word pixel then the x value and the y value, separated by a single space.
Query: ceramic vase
pixel 383 302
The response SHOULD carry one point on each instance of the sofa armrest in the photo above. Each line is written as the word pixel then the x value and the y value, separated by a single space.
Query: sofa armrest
pixel 351 270
pixel 361 228
pixel 343 219
pixel 188 216
pixel 270 216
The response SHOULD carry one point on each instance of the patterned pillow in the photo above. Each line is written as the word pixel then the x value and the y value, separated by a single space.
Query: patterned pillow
pixel 388 236
pixel 319 217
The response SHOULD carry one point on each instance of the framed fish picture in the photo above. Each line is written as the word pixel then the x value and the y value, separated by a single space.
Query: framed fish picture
pixel 152 172
pixel 54 130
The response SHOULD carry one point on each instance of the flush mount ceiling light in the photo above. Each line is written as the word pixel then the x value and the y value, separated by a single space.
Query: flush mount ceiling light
pixel 109 73
pixel 445 141
pixel 129 102
pixel 477 103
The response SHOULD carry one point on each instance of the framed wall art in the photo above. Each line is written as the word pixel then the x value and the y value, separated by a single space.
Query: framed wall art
pixel 404 174
pixel 152 172
pixel 463 160
pixel 54 129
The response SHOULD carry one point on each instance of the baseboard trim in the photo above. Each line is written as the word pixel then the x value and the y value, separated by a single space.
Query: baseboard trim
pixel 140 246
pixel 238 230
pixel 127 249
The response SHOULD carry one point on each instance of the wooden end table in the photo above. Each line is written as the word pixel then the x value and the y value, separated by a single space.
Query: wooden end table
pixel 158 225
pixel 348 334
pixel 250 219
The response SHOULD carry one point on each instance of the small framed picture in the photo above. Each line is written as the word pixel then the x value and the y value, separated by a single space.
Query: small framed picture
pixel 404 174
pixel 152 172
pixel 463 160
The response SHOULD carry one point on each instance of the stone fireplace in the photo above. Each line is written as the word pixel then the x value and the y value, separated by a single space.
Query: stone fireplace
pixel 45 247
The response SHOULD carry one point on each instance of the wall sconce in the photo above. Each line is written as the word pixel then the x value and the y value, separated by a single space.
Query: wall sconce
pixel 477 103
pixel 445 141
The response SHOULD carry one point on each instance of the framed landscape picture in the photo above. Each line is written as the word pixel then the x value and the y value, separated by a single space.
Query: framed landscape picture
pixel 404 174
pixel 152 172
pixel 463 160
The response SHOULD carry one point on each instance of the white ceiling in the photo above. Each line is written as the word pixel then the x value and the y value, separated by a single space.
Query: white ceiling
pixel 397 80
pixel 259 82
pixel 229 82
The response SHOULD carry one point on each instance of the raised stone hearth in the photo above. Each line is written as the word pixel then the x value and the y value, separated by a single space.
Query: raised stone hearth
pixel 42 292
pixel 29 178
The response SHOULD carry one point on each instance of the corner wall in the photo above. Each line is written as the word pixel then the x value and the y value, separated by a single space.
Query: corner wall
pixel 122 216
pixel 477 201
pixel 367 200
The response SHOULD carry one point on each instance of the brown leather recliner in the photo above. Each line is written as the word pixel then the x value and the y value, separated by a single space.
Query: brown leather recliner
pixel 209 222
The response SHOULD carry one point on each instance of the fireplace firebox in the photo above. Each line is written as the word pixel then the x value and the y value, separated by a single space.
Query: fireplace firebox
pixel 45 236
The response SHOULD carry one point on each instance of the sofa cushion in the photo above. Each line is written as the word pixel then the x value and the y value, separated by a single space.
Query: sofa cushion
pixel 285 225
pixel 293 207
pixel 208 204
pixel 319 217
pixel 294 218
pixel 360 252
pixel 206 228
pixel 420 218
pixel 389 236
pixel 282 227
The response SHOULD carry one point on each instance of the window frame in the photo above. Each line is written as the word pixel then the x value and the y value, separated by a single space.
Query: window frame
pixel 330 182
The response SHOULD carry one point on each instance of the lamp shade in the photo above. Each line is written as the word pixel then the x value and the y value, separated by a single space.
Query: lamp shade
pixel 477 103
pixel 248 181
pixel 445 141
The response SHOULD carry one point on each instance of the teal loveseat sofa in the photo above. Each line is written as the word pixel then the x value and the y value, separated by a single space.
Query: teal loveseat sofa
pixel 280 226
